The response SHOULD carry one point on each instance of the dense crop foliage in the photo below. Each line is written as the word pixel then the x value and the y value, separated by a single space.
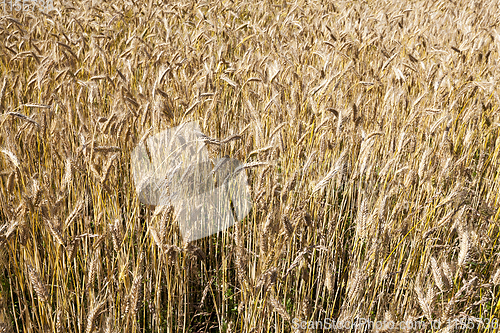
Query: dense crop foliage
pixel 371 134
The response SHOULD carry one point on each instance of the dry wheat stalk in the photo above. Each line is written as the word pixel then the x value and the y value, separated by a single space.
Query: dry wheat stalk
pixel 265 234
pixel 424 301
pixel 115 237
pixel 437 274
pixel 58 322
pixel 464 246
pixel 2 92
pixel 77 211
pixel 330 278
pixel 240 259
pixel 92 269
pixel 135 296
pixel 362 220
pixel 93 313
pixel 278 307
pixel 355 285
pixel 56 232
pixel 37 284
pixel 449 271
pixel 337 167
pixel 205 291
pixel 13 158
pixel 495 279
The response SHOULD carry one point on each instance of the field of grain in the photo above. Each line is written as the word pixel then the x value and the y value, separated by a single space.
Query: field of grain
pixel 371 134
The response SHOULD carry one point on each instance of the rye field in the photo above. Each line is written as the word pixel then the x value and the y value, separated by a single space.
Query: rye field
pixel 369 132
